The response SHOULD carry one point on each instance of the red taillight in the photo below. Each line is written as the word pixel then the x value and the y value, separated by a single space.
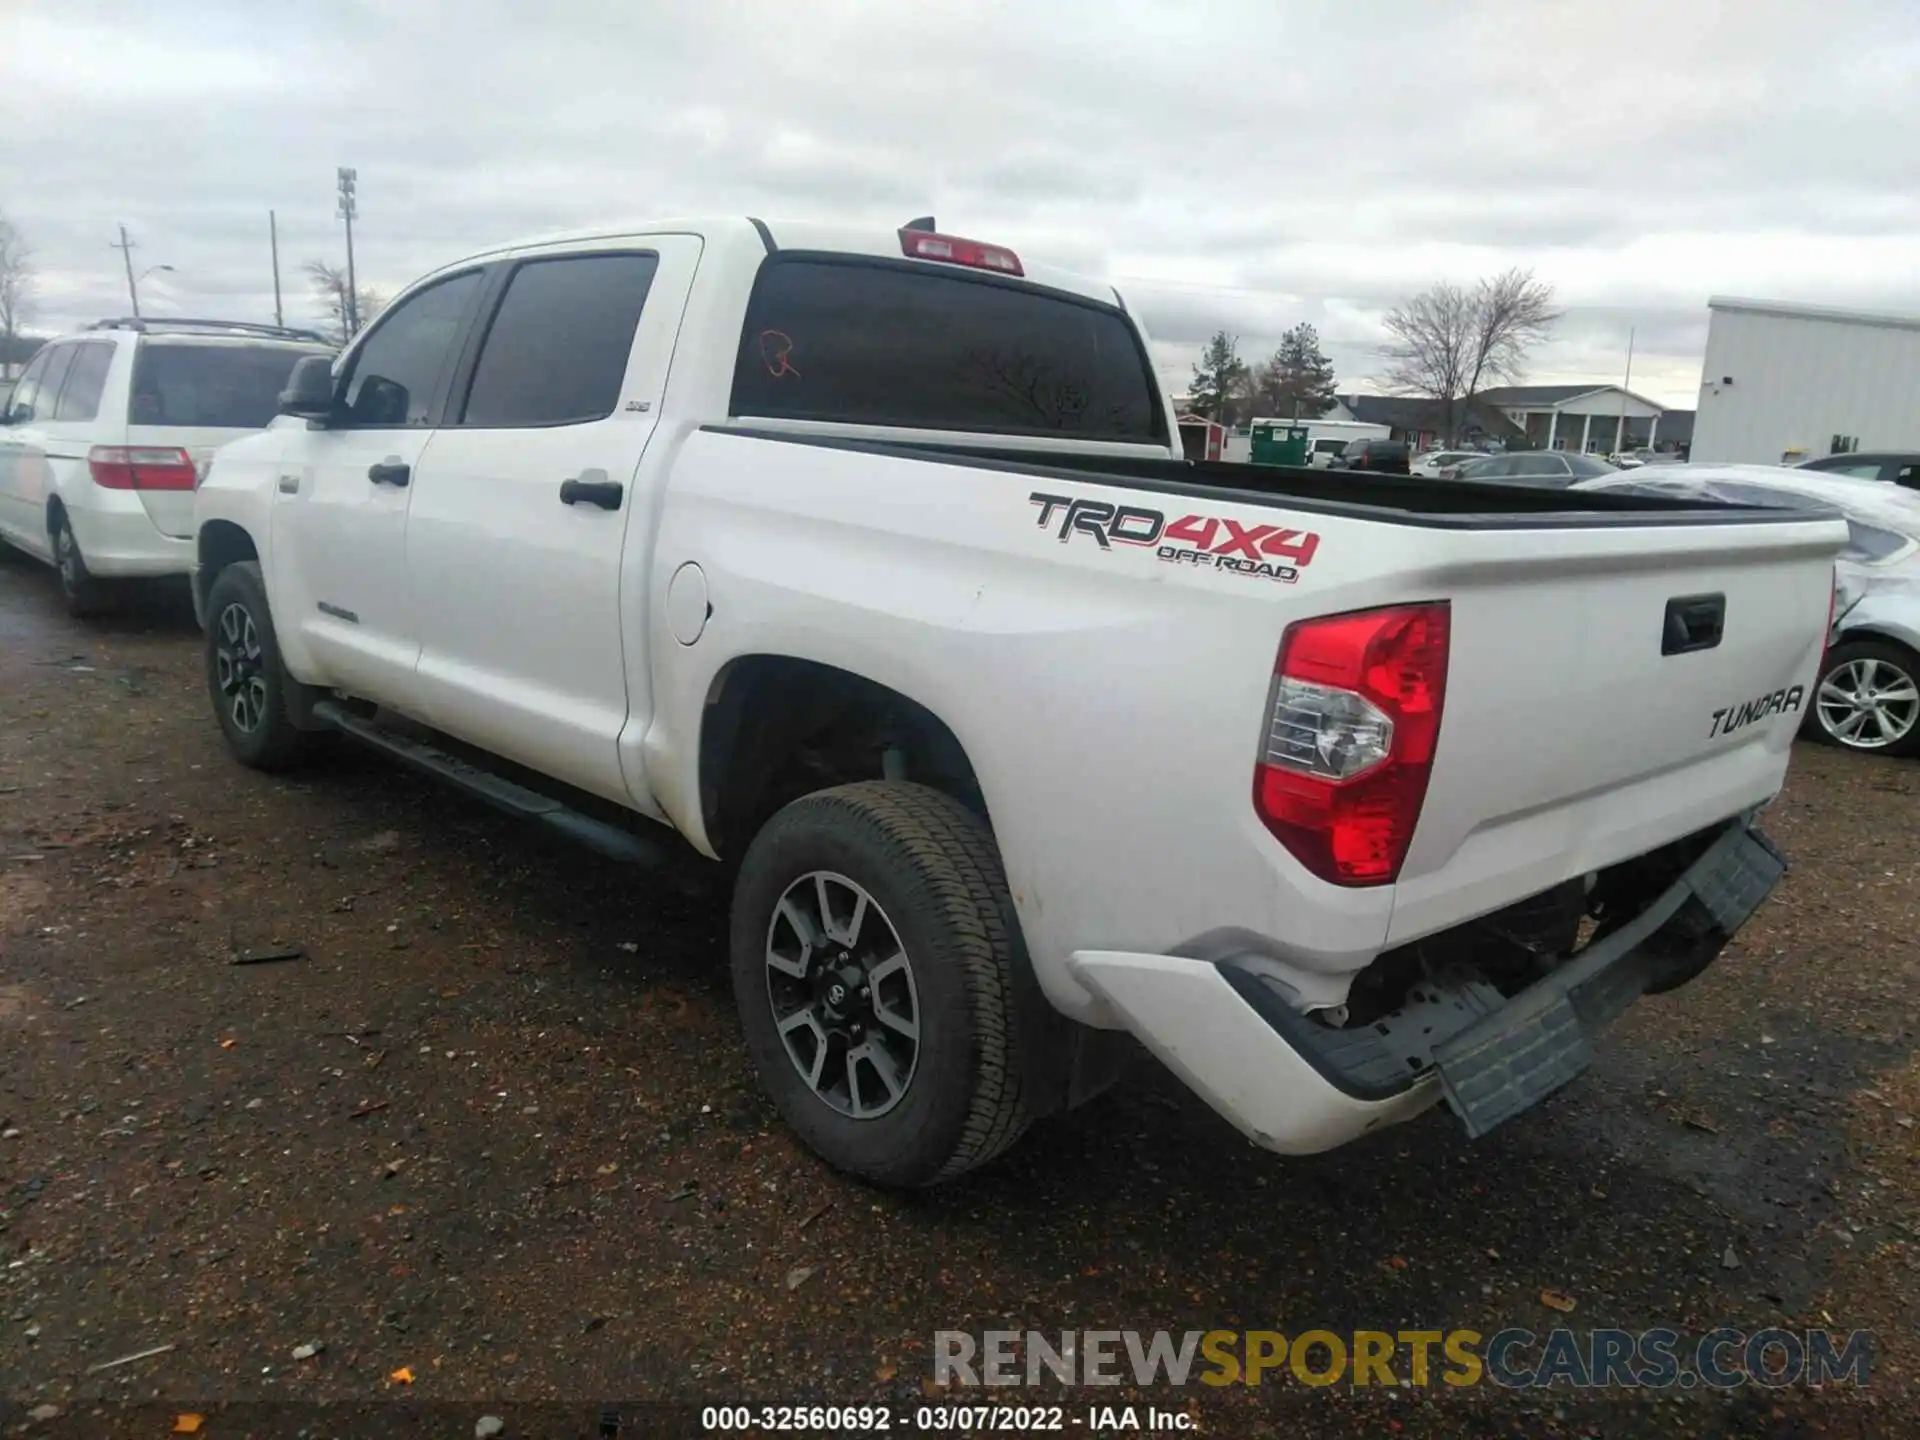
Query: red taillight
pixel 925 245
pixel 1352 721
pixel 141 467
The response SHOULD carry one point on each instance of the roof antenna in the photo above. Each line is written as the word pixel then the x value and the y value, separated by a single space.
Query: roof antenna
pixel 924 222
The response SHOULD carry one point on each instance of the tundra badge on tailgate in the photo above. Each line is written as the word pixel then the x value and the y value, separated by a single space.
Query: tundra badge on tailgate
pixel 1735 717
pixel 1212 542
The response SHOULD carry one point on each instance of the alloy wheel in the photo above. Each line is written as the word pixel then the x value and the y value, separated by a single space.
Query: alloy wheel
pixel 843 995
pixel 240 668
pixel 1868 703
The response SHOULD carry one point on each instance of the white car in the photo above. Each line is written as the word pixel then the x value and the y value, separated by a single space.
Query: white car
pixel 868 560
pixel 1869 693
pixel 107 431
pixel 1442 464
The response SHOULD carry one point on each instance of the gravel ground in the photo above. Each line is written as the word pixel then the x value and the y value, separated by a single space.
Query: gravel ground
pixel 496 1128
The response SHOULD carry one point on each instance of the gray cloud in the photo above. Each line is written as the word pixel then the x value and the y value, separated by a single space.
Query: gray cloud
pixel 1231 167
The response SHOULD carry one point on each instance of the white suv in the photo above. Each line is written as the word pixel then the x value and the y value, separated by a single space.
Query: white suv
pixel 108 432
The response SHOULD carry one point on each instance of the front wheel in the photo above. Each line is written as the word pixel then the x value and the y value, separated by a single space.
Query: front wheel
pixel 1868 698
pixel 246 681
pixel 875 955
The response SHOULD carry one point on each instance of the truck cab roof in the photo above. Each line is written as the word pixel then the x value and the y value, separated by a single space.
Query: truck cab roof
pixel 771 236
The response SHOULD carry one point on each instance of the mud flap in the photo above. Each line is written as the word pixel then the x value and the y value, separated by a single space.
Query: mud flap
pixel 1509 1061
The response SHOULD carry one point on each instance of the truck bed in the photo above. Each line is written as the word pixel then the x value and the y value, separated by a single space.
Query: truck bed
pixel 1395 499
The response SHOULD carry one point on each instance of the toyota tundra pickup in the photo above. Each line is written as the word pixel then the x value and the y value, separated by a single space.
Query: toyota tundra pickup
pixel 868 562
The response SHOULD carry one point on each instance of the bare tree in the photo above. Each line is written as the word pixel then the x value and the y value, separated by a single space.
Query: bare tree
pixel 16 284
pixel 338 319
pixel 1450 342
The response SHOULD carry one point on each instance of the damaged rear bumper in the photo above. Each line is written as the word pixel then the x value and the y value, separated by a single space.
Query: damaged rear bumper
pixel 1297 1086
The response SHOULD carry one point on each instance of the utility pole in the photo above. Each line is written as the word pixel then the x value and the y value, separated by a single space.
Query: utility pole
pixel 1625 385
pixel 348 209
pixel 273 235
pixel 125 247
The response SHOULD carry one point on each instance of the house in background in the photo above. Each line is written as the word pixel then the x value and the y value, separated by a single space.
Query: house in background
pixel 1423 423
pixel 1596 418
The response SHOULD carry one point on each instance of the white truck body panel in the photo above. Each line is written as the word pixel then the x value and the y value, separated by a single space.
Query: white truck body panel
pixel 1111 705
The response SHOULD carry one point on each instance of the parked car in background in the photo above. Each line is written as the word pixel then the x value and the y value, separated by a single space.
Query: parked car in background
pixel 1382 457
pixel 107 433
pixel 1868 697
pixel 1640 455
pixel 1536 467
pixel 1441 464
pixel 1323 452
pixel 1887 467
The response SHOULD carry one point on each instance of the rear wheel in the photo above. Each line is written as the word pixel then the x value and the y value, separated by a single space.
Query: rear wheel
pixel 874 957
pixel 246 681
pixel 1868 698
pixel 83 594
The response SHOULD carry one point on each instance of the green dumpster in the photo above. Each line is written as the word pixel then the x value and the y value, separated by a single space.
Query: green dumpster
pixel 1275 442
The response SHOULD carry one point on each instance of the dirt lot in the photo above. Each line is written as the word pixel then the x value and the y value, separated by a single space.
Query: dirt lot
pixel 497 1128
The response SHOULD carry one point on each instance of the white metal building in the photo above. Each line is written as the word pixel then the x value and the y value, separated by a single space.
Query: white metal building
pixel 1784 383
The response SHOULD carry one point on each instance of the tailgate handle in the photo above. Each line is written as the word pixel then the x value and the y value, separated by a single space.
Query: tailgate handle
pixel 1694 622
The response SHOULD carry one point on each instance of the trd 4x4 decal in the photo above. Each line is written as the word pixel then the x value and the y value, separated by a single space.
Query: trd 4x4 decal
pixel 1212 542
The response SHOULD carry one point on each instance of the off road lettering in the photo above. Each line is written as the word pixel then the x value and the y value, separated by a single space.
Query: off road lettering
pixel 1270 552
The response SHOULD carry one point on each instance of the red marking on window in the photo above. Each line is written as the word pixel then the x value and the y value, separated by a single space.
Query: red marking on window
pixel 776 352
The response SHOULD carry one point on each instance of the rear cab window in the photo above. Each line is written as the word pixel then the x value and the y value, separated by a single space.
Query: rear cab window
pixel 906 345
pixel 196 384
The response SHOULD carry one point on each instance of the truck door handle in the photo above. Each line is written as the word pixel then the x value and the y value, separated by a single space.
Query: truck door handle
pixel 390 472
pixel 606 494
pixel 1693 622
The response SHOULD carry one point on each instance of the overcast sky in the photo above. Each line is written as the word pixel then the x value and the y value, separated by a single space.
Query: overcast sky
pixel 1238 165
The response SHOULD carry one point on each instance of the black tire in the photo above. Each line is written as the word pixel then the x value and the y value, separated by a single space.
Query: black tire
pixel 246 681
pixel 932 869
pixel 1843 664
pixel 82 594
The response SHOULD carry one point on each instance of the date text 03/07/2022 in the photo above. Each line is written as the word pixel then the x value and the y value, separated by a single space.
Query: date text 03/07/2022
pixel 962 1419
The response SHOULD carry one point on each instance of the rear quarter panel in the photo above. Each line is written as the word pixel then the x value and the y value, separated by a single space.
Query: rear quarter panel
pixel 1111 703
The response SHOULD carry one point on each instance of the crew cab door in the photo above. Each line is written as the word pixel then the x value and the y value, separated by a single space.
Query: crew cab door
pixel 339 573
pixel 522 506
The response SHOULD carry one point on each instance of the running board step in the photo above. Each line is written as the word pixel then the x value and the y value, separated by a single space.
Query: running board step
pixel 499 792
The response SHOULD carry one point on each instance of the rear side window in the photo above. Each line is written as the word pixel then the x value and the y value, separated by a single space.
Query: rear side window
pixel 556 353
pixel 898 345
pixel 86 381
pixel 218 387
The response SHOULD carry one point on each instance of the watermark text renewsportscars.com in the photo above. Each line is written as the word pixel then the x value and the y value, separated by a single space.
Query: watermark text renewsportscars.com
pixel 1515 1358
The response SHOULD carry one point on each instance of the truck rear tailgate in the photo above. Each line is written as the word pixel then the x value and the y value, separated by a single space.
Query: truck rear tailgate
pixel 1593 713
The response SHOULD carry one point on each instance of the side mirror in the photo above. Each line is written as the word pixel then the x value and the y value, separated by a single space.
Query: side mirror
pixel 309 392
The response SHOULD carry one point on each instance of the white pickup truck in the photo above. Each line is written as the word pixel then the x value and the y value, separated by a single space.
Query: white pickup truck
pixel 868 563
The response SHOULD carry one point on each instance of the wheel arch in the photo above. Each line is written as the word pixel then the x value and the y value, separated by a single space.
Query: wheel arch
pixel 776 726
pixel 1883 633
pixel 218 544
